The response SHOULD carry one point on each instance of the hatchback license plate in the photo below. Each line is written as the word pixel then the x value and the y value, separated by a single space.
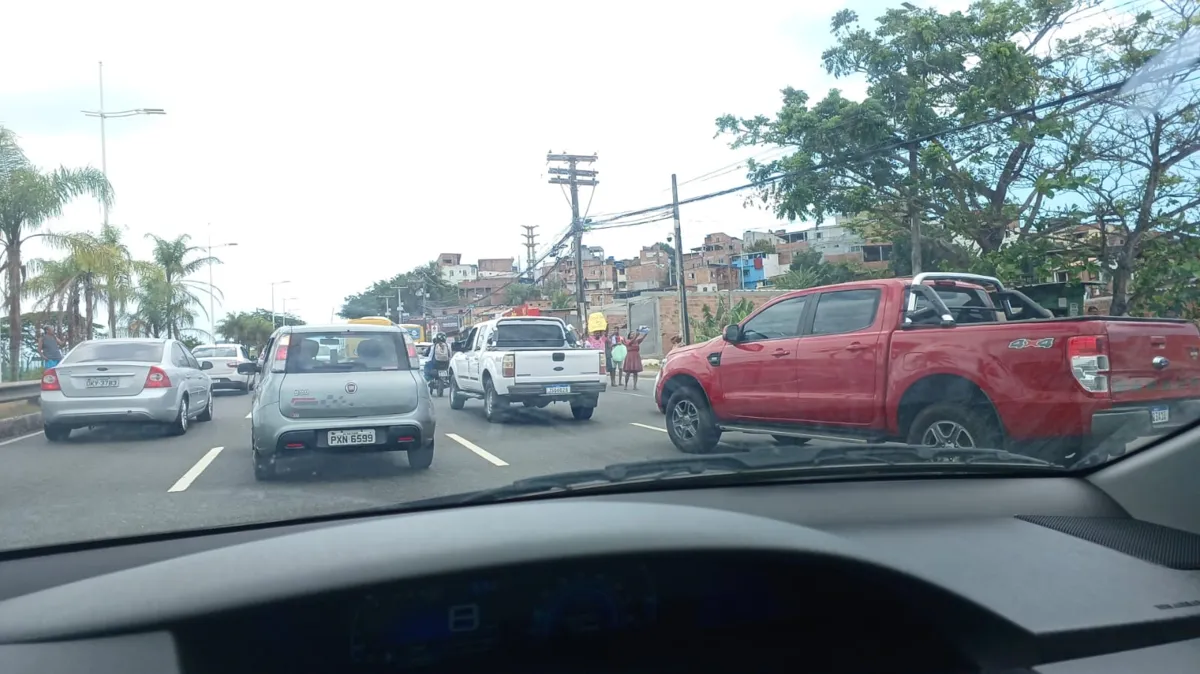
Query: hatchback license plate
pixel 557 390
pixel 364 436
pixel 1160 415
pixel 102 383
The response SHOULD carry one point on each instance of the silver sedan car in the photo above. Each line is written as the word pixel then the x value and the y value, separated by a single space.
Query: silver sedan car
pixel 122 381
pixel 339 389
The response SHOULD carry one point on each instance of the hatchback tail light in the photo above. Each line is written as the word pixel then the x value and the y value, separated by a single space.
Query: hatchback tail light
pixel 1088 356
pixel 50 381
pixel 157 378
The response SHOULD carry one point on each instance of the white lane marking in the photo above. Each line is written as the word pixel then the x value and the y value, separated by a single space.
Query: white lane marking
pixel 20 438
pixel 194 472
pixel 653 428
pixel 637 395
pixel 249 414
pixel 483 453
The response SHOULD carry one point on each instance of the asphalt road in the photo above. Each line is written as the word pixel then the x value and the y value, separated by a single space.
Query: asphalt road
pixel 118 482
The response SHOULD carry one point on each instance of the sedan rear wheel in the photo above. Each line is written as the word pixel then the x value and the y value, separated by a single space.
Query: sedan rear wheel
pixel 180 425
pixel 207 414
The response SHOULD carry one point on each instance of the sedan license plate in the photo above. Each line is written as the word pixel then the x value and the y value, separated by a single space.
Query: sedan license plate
pixel 557 390
pixel 364 436
pixel 101 382
pixel 1160 415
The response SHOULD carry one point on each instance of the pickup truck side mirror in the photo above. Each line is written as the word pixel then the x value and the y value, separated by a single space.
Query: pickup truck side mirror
pixel 247 368
pixel 206 365
pixel 571 338
pixel 733 334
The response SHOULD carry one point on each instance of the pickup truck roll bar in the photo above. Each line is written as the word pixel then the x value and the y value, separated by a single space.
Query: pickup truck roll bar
pixel 1004 295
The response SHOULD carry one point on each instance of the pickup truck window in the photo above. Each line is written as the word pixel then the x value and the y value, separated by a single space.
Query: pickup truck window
pixel 845 311
pixel 549 334
pixel 777 321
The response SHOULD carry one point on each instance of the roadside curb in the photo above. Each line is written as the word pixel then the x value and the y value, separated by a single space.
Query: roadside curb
pixel 22 425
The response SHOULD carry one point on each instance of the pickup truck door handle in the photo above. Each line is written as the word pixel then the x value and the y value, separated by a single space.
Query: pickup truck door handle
pixel 779 353
pixel 856 346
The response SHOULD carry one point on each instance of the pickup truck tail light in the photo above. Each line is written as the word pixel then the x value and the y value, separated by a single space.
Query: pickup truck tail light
pixel 1088 356
pixel 603 369
pixel 508 366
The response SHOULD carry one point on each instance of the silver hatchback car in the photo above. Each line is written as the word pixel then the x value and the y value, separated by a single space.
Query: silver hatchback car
pixel 123 381
pixel 361 393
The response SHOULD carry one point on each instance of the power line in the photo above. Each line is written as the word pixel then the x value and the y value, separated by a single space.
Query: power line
pixel 888 147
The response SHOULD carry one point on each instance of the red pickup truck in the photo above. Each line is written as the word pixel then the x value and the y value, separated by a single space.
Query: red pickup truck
pixel 947 360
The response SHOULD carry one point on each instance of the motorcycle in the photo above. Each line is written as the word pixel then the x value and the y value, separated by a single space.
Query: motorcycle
pixel 439 382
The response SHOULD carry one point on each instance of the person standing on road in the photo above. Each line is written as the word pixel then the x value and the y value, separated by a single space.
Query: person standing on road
pixel 617 370
pixel 48 347
pixel 633 358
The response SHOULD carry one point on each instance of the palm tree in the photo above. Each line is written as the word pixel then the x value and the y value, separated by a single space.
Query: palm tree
pixel 177 292
pixel 245 328
pixel 28 198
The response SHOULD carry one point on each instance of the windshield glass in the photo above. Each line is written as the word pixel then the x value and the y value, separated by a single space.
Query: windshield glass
pixel 139 352
pixel 215 352
pixel 967 225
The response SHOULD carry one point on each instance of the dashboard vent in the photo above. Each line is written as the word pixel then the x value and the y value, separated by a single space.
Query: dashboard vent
pixel 1172 548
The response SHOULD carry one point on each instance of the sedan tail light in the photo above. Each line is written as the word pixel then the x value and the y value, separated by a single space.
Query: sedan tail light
pixel 157 378
pixel 50 381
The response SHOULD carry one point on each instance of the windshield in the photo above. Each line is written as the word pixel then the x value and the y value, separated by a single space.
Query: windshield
pixel 791 228
pixel 215 352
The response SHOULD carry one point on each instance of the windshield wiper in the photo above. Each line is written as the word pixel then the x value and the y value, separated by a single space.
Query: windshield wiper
pixel 768 462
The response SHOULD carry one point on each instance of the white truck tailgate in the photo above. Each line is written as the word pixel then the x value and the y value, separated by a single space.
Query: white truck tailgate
pixel 549 366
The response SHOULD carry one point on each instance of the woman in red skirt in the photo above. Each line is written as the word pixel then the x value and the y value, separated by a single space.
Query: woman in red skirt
pixel 633 358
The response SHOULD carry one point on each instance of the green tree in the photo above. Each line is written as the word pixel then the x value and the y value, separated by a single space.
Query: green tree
pixel 28 198
pixel 247 328
pixel 376 299
pixel 177 296
pixel 760 246
pixel 927 72
pixel 711 323
pixel 520 293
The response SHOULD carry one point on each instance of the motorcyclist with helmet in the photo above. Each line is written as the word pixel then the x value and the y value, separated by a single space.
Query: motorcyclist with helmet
pixel 439 357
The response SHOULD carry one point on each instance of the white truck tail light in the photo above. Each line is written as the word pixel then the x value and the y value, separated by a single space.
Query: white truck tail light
pixel 1088 356
pixel 603 369
pixel 508 367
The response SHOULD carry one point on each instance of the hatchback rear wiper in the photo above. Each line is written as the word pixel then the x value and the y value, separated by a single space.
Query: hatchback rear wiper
pixel 767 462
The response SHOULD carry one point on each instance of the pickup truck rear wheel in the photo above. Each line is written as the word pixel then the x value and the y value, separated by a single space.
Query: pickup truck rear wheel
pixel 582 413
pixel 690 422
pixel 955 425
pixel 493 404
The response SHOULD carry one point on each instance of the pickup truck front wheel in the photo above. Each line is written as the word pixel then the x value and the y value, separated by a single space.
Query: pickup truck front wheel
pixel 952 425
pixel 690 422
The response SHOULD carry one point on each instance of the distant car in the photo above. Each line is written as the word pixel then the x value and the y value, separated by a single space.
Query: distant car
pixel 364 394
pixel 225 359
pixel 125 381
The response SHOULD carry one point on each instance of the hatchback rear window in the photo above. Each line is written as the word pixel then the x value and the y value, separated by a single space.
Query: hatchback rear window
pixel 215 352
pixel 137 352
pixel 346 352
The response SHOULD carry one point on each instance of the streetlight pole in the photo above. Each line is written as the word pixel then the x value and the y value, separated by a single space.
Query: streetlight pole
pixel 285 313
pixel 103 115
pixel 212 314
pixel 273 284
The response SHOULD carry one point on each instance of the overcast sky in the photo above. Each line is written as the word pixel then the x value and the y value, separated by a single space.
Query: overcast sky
pixel 341 144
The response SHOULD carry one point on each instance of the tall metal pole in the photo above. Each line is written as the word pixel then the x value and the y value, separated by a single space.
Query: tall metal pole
pixel 685 329
pixel 103 143
pixel 272 306
pixel 212 312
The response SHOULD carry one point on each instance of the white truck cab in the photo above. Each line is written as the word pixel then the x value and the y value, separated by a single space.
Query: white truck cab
pixel 531 360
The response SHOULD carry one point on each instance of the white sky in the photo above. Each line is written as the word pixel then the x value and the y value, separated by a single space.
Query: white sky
pixel 341 144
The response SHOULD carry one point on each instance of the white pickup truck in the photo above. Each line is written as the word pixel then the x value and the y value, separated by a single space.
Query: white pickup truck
pixel 531 360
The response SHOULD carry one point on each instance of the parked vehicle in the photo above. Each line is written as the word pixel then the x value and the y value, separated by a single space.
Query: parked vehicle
pixel 529 360
pixel 125 381
pixel 225 359
pixel 365 396
pixel 936 360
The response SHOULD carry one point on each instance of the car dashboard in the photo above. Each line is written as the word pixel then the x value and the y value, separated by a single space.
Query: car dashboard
pixel 1043 575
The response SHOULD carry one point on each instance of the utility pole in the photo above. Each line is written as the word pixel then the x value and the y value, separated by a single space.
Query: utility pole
pixel 399 303
pixel 530 251
pixel 683 312
pixel 574 178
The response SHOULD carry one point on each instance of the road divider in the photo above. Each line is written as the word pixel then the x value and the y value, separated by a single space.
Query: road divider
pixel 481 452
pixel 194 472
